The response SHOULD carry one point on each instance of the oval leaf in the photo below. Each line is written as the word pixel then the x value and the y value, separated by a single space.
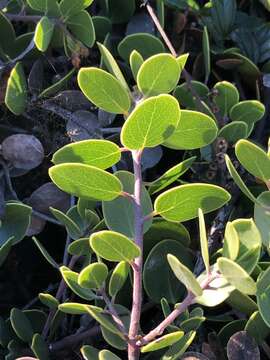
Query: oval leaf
pixel 182 202
pixel 194 130
pixel 151 122
pixel 93 276
pixel 114 246
pixel 162 342
pixel 16 93
pixel 43 33
pixel 86 181
pixel 104 90
pixel 158 75
pixel 100 153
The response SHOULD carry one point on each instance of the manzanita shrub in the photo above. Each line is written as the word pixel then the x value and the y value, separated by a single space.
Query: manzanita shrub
pixel 127 248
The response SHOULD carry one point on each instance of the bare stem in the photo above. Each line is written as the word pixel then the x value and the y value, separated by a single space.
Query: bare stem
pixel 23 18
pixel 133 349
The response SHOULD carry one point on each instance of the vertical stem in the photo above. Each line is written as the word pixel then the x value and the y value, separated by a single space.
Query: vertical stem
pixel 133 349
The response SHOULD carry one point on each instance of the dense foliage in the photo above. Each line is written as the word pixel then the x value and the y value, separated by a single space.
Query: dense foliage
pixel 121 120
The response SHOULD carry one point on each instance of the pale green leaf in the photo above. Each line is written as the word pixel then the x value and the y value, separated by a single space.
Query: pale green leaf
pixel 254 159
pixel 184 275
pixel 203 240
pixel 107 355
pixel 104 90
pixel 93 276
pixel 103 318
pixel 238 180
pixel 112 65
pixel 262 217
pixel 162 342
pixel 16 92
pixel 236 276
pixel 159 74
pixel 45 253
pixel 114 246
pixel 100 153
pixel 71 279
pixel 182 202
pixel 206 54
pixel 43 33
pixel 231 242
pixel 135 61
pixel 194 130
pixel 118 277
pixel 248 111
pixel 263 295
pixel 86 181
pixel 151 122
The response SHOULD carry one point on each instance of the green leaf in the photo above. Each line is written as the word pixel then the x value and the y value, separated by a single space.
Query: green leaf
pixel 237 179
pixel 262 217
pixel 59 85
pixel 15 222
pixel 203 241
pixel 234 131
pixel 89 352
pixel 114 246
pixel 194 130
pixel 193 323
pixel 107 355
pixel 119 213
pixel 248 111
pixel 112 65
pixel 102 26
pixel 185 97
pixel 48 300
pixel 163 341
pixel 242 302
pixel 72 228
pixel 72 7
pixel 52 8
pixel 21 325
pixel 103 318
pixel 184 275
pixel 172 204
pixel 182 59
pixel 80 247
pixel 206 54
pixel 71 279
pixel 151 122
pixel 5 249
pixel 40 347
pixel 263 295
pixel 7 41
pixel 250 244
pixel 227 96
pixel 254 159
pixel 16 92
pixel 231 242
pixel 159 74
pixel 73 308
pixel 93 276
pixel 81 25
pixel 171 175
pixel 118 278
pixel 177 350
pixel 45 253
pixel 104 90
pixel 39 5
pixel 100 153
pixel 161 230
pixel 43 33
pixel 229 330
pixel 236 276
pixel 86 181
pixel 146 44
pixel 217 292
pixel 120 11
pixel 157 263
pixel 257 328
pixel 135 62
